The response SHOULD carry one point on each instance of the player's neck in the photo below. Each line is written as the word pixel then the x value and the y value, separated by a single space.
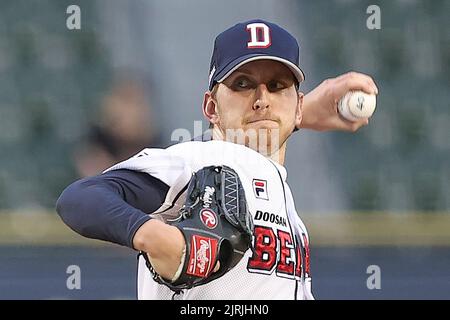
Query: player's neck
pixel 278 155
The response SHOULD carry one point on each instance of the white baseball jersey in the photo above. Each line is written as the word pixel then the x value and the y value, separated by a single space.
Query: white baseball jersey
pixel 279 267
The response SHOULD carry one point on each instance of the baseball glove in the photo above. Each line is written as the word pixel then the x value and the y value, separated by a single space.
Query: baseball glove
pixel 216 225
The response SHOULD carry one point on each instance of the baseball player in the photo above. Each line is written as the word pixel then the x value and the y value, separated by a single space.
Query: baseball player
pixel 216 219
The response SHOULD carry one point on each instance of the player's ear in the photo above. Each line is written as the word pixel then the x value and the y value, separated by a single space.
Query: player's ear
pixel 210 108
pixel 299 110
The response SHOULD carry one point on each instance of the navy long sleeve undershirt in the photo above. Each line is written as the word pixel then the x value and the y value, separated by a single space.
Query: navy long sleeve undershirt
pixel 111 206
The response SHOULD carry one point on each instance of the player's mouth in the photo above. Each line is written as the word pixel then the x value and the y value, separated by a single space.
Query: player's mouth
pixel 263 123
pixel 261 120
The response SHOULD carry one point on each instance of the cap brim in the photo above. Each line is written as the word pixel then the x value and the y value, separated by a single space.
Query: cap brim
pixel 233 66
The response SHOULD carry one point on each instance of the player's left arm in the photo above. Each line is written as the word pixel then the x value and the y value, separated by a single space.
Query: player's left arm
pixel 320 105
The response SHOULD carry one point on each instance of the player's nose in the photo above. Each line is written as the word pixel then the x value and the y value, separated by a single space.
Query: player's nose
pixel 261 98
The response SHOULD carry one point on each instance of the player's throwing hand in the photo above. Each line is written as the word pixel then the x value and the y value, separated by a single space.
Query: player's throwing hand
pixel 320 105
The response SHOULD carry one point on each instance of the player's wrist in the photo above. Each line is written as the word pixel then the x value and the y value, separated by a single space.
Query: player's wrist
pixel 164 246
pixel 147 237
pixel 159 240
pixel 309 118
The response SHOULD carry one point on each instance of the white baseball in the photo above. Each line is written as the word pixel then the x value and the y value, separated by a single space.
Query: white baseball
pixel 357 105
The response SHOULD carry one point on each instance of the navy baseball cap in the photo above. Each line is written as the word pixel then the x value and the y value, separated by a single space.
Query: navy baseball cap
pixel 250 41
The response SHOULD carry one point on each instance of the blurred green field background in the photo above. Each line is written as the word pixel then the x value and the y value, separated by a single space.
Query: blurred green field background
pixel 43 228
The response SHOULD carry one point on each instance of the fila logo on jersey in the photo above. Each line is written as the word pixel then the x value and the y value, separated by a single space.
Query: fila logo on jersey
pixel 259 35
pixel 203 255
pixel 209 219
pixel 260 189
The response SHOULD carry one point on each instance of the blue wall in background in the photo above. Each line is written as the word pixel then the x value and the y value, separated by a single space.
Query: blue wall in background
pixel 338 273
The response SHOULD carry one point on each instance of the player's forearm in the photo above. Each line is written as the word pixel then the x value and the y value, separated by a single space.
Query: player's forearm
pixel 163 243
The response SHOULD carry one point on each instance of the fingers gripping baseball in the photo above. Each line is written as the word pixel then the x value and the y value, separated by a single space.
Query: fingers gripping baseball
pixel 320 110
pixel 353 81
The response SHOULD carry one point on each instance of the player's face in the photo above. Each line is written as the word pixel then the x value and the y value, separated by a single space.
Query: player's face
pixel 261 99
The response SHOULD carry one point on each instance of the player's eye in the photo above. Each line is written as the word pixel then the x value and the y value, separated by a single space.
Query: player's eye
pixel 242 83
pixel 276 85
